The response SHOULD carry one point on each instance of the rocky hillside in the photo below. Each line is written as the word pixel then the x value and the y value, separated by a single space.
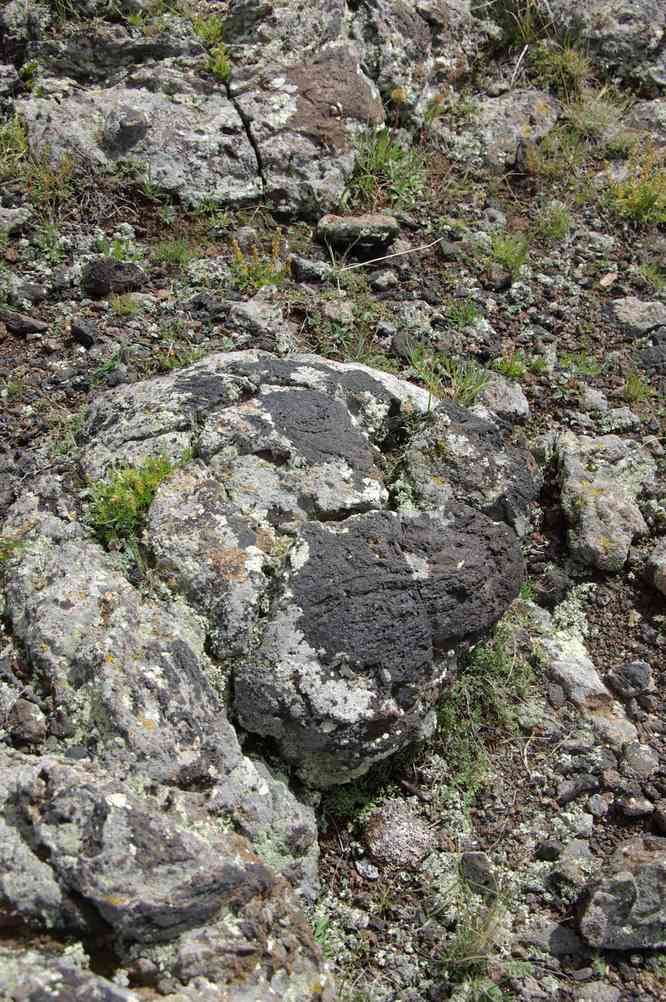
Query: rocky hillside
pixel 332 500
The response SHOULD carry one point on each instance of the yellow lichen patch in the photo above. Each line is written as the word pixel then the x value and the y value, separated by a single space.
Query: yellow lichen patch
pixel 148 724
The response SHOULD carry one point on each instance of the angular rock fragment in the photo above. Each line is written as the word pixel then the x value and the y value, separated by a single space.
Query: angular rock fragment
pixel 626 908
pixel 601 478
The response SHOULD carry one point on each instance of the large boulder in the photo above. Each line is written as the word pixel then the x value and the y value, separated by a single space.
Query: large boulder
pixel 88 854
pixel 280 571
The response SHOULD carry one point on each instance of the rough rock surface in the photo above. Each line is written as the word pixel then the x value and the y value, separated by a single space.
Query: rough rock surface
pixel 625 909
pixel 601 478
pixel 84 853
pixel 458 456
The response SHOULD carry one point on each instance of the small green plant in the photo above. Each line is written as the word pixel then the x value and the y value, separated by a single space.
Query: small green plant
pixel 480 704
pixel 10 546
pixel 513 365
pixel 524 22
pixel 641 196
pixel 510 250
pixel 219 63
pixel 209 29
pixel 14 148
pixel 177 253
pixel 117 508
pixel 653 275
pixel 527 591
pixel 64 429
pixel 554 222
pixel 580 363
pixel 461 313
pixel 596 114
pixel 47 240
pixel 119 248
pixel 106 367
pixel 385 171
pixel 172 358
pixel 252 270
pixel 562 67
pixel 124 305
pixel 444 376
pixel 15 389
pixel 636 389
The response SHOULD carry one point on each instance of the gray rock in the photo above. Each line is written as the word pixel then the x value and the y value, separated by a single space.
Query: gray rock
pixel 396 835
pixel 477 869
pixel 368 234
pixel 558 940
pixel 193 896
pixel 32 975
pixel 306 270
pixel 503 397
pixel 306 150
pixel 9 80
pixel 94 52
pixel 259 322
pixel 13 220
pixel 592 400
pixel 656 566
pixel 459 457
pixel 186 134
pixel 637 316
pixel 649 116
pixel 653 356
pixel 632 679
pixel 384 279
pixel 625 37
pixel 626 908
pixel 600 479
pixel 642 760
pixel 25 20
pixel 408 49
pixel 26 723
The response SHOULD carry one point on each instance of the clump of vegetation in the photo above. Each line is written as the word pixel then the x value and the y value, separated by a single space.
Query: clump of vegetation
pixel 117 508
pixel 48 186
pixel 119 248
pixel 554 222
pixel 253 270
pixel 653 275
pixel 170 359
pixel 482 702
pixel 513 365
pixel 580 363
pixel 124 305
pixel 523 22
pixel 219 63
pixel 641 196
pixel 562 67
pixel 444 376
pixel 596 114
pixel 47 240
pixel 636 389
pixel 510 250
pixel 176 253
pixel 461 313
pixel 209 29
pixel 385 171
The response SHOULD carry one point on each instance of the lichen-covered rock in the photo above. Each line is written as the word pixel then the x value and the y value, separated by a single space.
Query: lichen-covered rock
pixel 460 457
pixel 369 233
pixel 601 478
pixel 91 855
pixel 34 975
pixel 92 53
pixel 185 132
pixel 353 659
pixel 626 908
pixel 304 120
pixel 497 124
pixel 638 316
pixel 504 398
pixel 656 566
pixel 627 38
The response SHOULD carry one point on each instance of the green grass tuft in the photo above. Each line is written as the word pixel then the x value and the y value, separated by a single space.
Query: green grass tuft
pixel 117 508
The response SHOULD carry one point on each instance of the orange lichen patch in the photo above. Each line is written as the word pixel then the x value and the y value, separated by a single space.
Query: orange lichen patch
pixel 230 563
pixel 147 724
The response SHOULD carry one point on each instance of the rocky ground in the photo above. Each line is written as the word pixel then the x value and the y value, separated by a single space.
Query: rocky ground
pixel 383 285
